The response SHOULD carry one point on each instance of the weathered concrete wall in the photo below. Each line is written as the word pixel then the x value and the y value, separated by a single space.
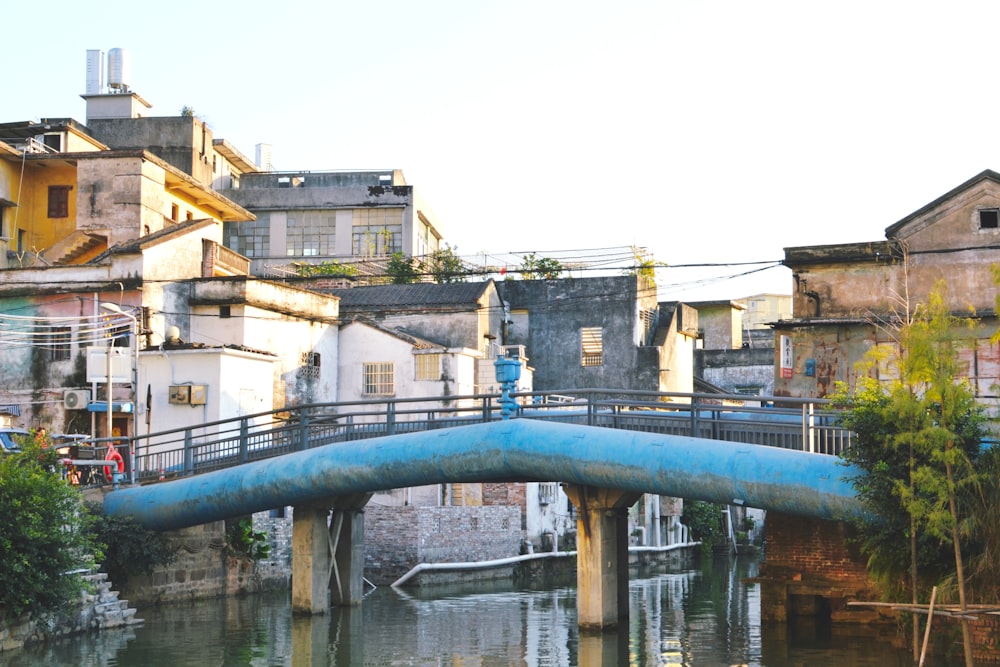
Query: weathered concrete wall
pixel 182 141
pixel 735 369
pixel 556 311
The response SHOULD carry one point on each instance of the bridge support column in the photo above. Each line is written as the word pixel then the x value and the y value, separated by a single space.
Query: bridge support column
pixel 601 555
pixel 328 554
pixel 310 560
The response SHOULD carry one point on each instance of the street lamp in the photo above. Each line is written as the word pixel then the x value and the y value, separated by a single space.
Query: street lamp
pixel 134 331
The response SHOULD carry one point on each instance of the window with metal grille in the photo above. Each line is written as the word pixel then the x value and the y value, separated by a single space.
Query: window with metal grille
pixel 547 492
pixel 59 347
pixel 59 201
pixel 428 367
pixel 380 378
pixel 591 346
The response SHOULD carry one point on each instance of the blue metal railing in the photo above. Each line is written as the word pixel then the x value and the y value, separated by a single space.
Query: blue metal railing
pixel 800 424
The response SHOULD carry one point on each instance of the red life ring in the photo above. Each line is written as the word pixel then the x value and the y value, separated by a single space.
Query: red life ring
pixel 113 455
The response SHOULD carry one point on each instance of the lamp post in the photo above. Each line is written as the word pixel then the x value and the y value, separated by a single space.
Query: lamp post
pixel 134 332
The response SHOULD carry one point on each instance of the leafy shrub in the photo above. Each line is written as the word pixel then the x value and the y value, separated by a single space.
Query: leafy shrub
pixel 243 540
pixel 131 549
pixel 45 537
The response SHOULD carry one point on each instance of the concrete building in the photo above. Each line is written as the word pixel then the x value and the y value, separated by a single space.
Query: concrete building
pixel 453 315
pixel 847 297
pixel 100 230
pixel 605 332
pixel 334 216
pixel 732 357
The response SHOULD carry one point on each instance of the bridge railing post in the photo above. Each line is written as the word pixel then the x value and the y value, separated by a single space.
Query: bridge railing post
pixel 591 416
pixel 188 453
pixel 390 418
pixel 303 443
pixel 810 424
pixel 244 444
pixel 695 403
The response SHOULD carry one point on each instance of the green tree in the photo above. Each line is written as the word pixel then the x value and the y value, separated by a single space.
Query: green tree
pixel 402 269
pixel 704 520
pixel 45 536
pixel 917 442
pixel 533 267
pixel 446 266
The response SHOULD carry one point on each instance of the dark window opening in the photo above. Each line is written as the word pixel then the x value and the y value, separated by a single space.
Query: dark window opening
pixel 989 218
pixel 59 201
pixel 225 312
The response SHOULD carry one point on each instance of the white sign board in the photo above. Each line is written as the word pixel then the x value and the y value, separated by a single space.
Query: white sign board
pixel 97 364
pixel 787 358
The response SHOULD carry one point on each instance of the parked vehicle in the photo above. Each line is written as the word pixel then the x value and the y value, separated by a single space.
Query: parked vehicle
pixel 10 439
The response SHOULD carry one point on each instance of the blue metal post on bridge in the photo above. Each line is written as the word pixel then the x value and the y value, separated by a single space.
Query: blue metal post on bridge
pixel 607 446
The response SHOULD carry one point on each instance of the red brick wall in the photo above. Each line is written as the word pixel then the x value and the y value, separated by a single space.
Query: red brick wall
pixel 813 548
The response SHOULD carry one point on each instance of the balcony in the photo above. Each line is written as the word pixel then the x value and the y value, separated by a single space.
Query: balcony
pixel 218 260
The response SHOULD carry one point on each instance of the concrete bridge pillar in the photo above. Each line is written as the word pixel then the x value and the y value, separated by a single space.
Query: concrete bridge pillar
pixel 328 554
pixel 601 555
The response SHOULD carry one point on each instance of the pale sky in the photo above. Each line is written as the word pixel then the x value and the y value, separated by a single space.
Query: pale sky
pixel 705 132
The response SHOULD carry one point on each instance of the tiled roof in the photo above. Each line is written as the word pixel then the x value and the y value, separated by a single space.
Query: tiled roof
pixel 418 294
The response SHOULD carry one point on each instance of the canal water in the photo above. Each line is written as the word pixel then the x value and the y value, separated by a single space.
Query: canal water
pixel 702 616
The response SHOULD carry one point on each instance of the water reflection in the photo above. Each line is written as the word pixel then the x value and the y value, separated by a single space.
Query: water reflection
pixel 683 617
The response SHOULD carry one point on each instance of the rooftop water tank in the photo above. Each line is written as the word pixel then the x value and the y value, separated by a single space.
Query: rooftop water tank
pixel 119 70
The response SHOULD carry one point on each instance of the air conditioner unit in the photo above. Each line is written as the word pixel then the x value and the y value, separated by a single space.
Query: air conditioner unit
pixel 76 399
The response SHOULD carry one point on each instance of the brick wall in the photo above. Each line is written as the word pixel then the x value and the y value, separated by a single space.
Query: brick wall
pixel 399 538
pixel 808 560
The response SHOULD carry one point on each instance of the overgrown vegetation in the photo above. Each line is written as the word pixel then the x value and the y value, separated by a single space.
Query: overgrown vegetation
pixel 924 477
pixel 333 269
pixel 46 541
pixel 704 520
pixel 533 268
pixel 130 548
pixel 243 540
pixel 402 269
pixel 445 266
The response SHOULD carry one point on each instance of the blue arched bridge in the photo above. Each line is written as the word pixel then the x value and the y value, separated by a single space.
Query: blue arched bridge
pixel 607 446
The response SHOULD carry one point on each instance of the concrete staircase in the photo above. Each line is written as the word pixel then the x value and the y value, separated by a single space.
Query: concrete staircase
pixel 97 610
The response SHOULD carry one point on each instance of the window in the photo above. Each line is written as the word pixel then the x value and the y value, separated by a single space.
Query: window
pixel 61 337
pixel 378 232
pixel 428 367
pixel 547 492
pixel 591 346
pixel 380 378
pixel 59 201
pixel 174 212
pixel 250 239
pixel 989 218
pixel 310 365
pixel 310 233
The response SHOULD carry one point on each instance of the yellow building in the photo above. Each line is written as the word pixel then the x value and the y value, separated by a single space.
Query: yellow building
pixel 65 207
